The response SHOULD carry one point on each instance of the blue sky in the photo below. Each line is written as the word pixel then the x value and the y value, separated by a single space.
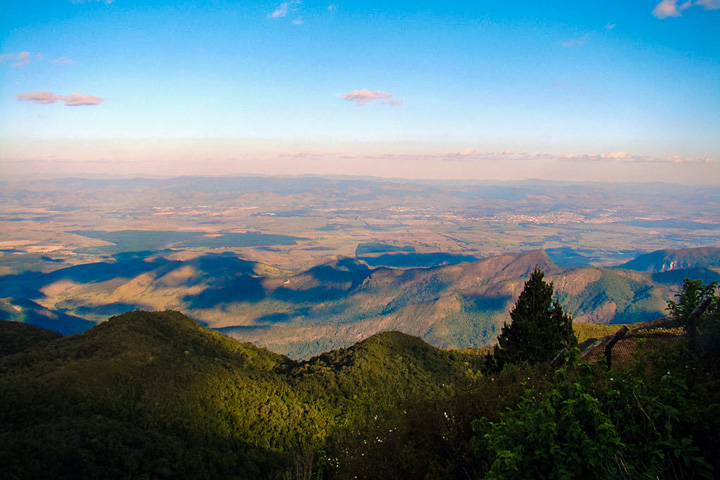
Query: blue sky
pixel 568 90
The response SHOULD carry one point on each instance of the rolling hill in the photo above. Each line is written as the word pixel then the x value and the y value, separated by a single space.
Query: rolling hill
pixel 334 304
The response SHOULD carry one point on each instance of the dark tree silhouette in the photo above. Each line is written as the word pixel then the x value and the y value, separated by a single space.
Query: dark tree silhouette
pixel 539 330
pixel 698 311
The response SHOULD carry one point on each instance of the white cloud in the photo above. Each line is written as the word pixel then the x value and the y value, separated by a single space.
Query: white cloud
pixel 364 97
pixel 576 42
pixel 624 157
pixel 106 2
pixel 23 59
pixel 79 99
pixel 280 11
pixel 472 155
pixel 709 4
pixel 40 97
pixel 670 8
pixel 284 9
pixel 72 100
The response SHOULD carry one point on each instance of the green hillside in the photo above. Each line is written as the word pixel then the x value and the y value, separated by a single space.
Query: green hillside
pixel 157 394
pixel 17 337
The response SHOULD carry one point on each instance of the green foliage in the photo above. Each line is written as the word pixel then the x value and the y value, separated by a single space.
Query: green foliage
pixel 598 424
pixel 693 293
pixel 558 434
pixel 155 395
pixel 539 330
pixel 17 337
pixel 206 406
pixel 690 297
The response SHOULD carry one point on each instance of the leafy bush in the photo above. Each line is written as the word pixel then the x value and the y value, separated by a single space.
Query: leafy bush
pixel 597 424
pixel 707 327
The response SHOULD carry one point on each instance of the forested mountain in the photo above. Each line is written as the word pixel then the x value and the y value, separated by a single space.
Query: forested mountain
pixel 156 395
pixel 17 336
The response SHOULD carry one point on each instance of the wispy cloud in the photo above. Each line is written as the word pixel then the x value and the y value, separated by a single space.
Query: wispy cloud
pixel 670 8
pixel 107 2
pixel 576 42
pixel 72 100
pixel 365 97
pixel 284 9
pixel 709 4
pixel 332 7
pixel 23 58
pixel 472 155
pixel 79 99
pixel 40 97
pixel 280 11
pixel 625 157
pixel 610 26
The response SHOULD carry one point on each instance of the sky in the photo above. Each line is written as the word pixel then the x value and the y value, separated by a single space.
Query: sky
pixel 561 90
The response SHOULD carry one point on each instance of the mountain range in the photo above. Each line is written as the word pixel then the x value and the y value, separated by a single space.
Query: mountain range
pixel 336 304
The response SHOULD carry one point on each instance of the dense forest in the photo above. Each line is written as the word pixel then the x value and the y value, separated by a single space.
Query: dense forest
pixel 156 395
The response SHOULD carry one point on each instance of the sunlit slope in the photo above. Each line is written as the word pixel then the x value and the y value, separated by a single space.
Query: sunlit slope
pixel 681 259
pixel 600 295
pixel 334 304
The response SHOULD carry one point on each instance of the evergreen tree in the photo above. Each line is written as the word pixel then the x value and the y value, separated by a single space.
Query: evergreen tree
pixel 539 330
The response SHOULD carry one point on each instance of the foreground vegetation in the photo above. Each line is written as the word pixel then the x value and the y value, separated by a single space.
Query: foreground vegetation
pixel 155 395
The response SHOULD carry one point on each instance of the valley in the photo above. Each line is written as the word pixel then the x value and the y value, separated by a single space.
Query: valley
pixel 302 265
pixel 295 223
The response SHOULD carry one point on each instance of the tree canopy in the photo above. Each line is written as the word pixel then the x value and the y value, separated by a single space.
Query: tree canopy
pixel 539 329
pixel 701 300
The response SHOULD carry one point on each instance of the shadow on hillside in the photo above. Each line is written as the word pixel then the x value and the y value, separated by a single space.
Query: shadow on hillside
pixel 243 288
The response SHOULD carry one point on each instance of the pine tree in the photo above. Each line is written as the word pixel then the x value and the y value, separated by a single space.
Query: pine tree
pixel 539 330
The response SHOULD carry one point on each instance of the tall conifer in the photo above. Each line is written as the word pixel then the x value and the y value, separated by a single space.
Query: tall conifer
pixel 539 329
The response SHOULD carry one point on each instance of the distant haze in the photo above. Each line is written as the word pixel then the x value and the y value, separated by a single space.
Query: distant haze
pixel 124 158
